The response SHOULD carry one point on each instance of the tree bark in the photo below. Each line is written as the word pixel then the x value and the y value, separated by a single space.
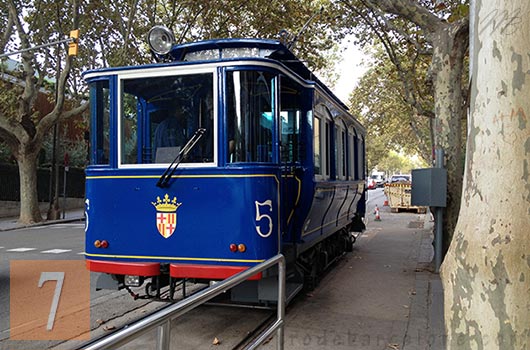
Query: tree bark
pixel 486 272
pixel 450 44
pixel 29 205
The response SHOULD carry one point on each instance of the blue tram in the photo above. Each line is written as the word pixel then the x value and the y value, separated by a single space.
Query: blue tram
pixel 214 159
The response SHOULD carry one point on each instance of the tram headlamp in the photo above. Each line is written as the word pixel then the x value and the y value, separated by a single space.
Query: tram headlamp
pixel 133 281
pixel 160 40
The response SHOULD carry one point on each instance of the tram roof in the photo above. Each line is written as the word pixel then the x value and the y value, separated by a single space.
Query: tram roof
pixel 263 48
pixel 214 50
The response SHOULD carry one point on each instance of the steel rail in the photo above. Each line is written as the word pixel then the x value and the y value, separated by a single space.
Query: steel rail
pixel 162 318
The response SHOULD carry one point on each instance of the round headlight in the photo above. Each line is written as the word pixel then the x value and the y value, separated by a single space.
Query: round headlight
pixel 160 40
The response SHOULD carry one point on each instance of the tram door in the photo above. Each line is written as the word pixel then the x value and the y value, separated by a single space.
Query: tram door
pixel 290 115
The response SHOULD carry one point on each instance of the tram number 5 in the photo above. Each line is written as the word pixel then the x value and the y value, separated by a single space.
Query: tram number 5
pixel 53 276
pixel 262 217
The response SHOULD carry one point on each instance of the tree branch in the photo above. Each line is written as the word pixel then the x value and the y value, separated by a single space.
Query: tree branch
pixel 30 93
pixel 7 32
pixel 410 10
pixel 51 118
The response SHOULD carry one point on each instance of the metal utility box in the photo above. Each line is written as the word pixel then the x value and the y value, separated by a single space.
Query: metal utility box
pixel 429 187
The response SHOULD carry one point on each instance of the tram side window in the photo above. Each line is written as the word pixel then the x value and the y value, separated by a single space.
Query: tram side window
pixel 361 159
pixel 327 147
pixel 322 146
pixel 340 153
pixel 290 115
pixel 317 134
pixel 354 156
pixel 129 127
pixel 249 116
pixel 100 116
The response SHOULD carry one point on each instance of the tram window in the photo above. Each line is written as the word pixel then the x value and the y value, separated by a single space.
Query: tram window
pixel 353 156
pixel 100 115
pixel 360 158
pixel 160 114
pixel 249 116
pixel 323 148
pixel 317 146
pixel 344 156
pixel 290 115
pixel 327 148
pixel 129 127
pixel 340 153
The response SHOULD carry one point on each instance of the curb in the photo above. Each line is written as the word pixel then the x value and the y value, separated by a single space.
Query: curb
pixel 17 226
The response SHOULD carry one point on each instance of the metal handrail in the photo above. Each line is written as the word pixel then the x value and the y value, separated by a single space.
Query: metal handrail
pixel 162 318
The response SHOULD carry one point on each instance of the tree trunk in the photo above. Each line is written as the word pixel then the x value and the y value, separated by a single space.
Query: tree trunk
pixel 450 45
pixel 486 273
pixel 29 203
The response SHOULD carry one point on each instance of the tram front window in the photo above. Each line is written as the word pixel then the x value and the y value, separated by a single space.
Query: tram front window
pixel 159 115
pixel 249 116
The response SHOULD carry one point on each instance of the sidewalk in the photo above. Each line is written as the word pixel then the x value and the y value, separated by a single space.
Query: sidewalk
pixel 383 295
pixel 11 223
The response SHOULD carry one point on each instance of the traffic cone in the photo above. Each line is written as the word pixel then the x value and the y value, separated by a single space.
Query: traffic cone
pixel 376 212
pixel 385 204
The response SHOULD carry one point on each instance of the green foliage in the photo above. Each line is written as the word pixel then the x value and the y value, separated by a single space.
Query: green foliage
pixel 397 163
pixel 392 124
pixel 115 32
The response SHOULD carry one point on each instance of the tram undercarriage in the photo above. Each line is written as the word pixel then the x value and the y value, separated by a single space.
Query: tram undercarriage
pixel 304 272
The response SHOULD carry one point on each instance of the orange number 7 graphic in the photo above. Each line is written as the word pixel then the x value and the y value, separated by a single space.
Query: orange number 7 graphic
pixel 33 287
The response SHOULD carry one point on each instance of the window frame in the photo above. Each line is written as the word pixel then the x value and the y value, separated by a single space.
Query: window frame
pixel 275 157
pixel 157 73
pixel 322 113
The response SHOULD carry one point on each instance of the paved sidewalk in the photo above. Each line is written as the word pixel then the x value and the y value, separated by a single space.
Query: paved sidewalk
pixel 11 223
pixel 382 296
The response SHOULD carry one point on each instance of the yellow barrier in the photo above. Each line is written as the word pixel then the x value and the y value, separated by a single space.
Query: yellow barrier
pixel 398 195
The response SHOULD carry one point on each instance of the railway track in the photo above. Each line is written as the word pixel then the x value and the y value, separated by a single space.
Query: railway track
pixel 231 327
pixel 191 332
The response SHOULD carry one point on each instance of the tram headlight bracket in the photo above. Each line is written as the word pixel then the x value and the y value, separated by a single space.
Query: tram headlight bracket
pixel 160 40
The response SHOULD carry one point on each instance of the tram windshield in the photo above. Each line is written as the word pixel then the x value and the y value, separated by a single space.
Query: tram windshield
pixel 160 114
pixel 156 116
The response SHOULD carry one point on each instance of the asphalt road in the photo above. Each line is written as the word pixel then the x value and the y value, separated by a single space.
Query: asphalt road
pixel 375 197
pixel 25 307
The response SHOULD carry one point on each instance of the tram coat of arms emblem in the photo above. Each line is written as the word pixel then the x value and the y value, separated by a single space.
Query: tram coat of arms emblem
pixel 166 215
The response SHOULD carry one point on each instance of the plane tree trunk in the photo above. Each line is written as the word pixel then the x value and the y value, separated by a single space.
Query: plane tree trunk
pixel 29 205
pixel 450 44
pixel 486 272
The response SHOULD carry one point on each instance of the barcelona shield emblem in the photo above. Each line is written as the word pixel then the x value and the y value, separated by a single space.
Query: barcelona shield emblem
pixel 166 215
pixel 166 223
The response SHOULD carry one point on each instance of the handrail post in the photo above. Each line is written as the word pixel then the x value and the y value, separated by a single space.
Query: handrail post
pixel 281 302
pixel 163 336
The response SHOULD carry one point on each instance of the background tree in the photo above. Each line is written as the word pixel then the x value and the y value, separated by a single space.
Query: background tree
pixel 391 122
pixel 113 33
pixel 486 273
pixel 438 29
pixel 21 128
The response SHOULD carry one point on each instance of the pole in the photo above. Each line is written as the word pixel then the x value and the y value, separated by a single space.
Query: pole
pixel 65 172
pixel 439 153
pixel 69 40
